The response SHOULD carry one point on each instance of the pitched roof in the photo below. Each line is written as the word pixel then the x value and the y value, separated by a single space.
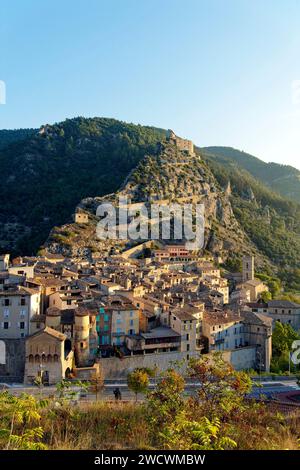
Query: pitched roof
pixel 283 304
pixel 51 332
pixel 256 318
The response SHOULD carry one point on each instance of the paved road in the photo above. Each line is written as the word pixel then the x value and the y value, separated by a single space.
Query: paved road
pixel 265 388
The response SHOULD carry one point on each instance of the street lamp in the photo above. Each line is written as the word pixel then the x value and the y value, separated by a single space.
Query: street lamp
pixel 41 366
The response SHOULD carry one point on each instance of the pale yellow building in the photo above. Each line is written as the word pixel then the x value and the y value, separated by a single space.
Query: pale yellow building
pixel 17 307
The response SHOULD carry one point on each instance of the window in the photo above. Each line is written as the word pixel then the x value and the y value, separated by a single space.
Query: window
pixel 69 302
pixel 22 313
pixel 23 301
pixel 119 321
pixel 131 314
pixel 187 337
pixel 106 317
pixel 6 302
pixel 187 347
pixel 105 339
pixel 22 325
pixel 106 327
pixel 131 323
pixel 6 313
pixel 6 325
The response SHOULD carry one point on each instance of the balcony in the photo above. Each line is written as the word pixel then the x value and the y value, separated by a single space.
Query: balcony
pixel 219 341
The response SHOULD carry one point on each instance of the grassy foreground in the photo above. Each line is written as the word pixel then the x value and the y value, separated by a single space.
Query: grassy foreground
pixel 219 417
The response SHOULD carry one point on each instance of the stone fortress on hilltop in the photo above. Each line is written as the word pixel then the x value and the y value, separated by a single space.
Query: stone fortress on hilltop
pixel 184 145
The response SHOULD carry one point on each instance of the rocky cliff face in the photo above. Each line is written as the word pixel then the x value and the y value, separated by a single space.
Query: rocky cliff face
pixel 171 175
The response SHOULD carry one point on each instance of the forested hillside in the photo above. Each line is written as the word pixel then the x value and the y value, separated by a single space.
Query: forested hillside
pixel 283 179
pixel 43 177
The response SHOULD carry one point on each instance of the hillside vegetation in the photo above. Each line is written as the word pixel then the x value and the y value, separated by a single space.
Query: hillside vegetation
pixel 271 221
pixel 43 177
pixel 9 136
pixel 283 179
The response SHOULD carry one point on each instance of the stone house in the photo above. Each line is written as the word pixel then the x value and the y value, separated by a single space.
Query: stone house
pixel 17 307
pixel 283 311
pixel 48 355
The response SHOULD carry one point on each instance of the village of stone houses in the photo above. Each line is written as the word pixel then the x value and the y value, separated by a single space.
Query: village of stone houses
pixel 145 329
pixel 64 317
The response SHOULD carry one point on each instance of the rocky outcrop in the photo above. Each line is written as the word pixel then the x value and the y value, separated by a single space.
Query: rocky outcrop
pixel 171 176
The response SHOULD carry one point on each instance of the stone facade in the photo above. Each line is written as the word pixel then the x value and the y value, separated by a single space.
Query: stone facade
pixel 48 355
pixel 113 367
pixel 248 268
pixel 12 360
pixel 81 218
pixel 182 144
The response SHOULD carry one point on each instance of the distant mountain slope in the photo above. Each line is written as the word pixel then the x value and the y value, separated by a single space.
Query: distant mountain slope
pixel 281 178
pixel 9 136
pixel 271 221
pixel 43 177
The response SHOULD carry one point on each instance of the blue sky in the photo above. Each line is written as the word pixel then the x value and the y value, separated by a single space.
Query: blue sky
pixel 221 72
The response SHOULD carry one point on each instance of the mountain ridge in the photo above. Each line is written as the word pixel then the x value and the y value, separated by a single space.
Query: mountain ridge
pixel 273 174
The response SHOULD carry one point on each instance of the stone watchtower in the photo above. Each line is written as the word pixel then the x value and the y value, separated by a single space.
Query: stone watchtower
pixel 184 145
pixel 248 268
pixel 82 333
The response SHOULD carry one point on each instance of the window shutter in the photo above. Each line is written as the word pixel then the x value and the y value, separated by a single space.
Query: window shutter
pixel 9 324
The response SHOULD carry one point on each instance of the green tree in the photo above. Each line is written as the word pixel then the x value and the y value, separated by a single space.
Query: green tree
pixel 138 381
pixel 283 337
pixel 165 402
pixel 20 422
pixel 222 389
pixel 186 434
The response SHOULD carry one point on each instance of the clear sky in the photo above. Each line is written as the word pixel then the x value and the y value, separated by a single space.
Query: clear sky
pixel 221 72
